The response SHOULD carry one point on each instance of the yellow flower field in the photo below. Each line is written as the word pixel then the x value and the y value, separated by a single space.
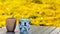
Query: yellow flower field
pixel 40 12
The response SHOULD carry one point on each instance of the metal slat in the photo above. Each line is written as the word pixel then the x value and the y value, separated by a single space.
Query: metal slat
pixel 55 31
pixel 41 28
pixel 48 30
pixel 58 32
pixel 32 29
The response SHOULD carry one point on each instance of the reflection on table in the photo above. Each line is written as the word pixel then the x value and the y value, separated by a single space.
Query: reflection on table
pixel 10 32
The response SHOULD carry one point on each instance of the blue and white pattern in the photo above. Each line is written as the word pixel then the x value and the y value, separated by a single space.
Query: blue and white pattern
pixel 24 25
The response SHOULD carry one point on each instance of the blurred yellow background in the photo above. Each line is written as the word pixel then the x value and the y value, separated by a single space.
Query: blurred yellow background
pixel 40 12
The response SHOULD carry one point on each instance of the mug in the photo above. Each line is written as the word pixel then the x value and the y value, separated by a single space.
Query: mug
pixel 24 25
pixel 10 24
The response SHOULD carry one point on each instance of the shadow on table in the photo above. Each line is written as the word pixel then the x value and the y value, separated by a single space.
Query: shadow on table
pixel 14 33
pixel 10 33
pixel 24 32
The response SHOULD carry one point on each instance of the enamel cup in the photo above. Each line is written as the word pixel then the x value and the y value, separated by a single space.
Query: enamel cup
pixel 24 25
pixel 10 24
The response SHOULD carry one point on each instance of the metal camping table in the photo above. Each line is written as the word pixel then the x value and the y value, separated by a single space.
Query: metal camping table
pixel 35 30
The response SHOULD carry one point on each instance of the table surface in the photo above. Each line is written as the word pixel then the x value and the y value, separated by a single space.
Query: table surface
pixel 34 30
